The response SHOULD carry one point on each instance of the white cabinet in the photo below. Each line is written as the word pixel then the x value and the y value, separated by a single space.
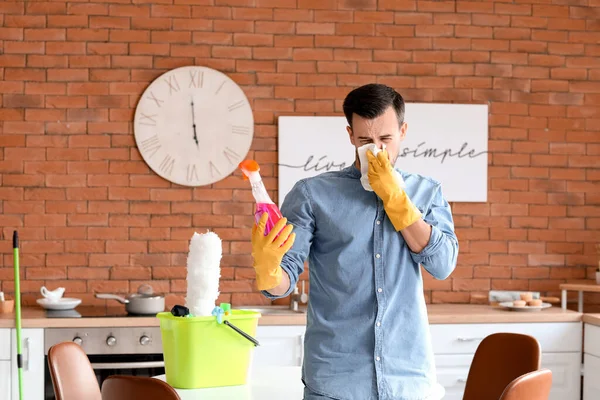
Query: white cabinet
pixel 454 346
pixel 591 381
pixel 280 345
pixel 5 363
pixel 464 338
pixel 5 379
pixel 4 344
pixel 452 371
pixel 592 340
pixel 566 374
pixel 32 350
pixel 591 363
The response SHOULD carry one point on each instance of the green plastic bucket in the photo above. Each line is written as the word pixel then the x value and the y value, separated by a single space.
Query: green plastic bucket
pixel 200 353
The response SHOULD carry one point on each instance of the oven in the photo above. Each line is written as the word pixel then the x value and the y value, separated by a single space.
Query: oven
pixel 134 351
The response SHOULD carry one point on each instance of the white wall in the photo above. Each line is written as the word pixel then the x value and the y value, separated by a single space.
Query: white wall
pixel 447 142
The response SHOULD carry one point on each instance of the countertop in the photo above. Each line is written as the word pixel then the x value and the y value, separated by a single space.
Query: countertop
pixel 438 314
pixel 35 317
pixel 592 319
pixel 474 314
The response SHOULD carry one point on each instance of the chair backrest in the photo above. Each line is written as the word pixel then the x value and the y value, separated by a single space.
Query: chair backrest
pixel 118 387
pixel 535 385
pixel 73 377
pixel 499 359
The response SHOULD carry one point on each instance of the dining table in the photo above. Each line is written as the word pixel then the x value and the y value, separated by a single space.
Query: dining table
pixel 265 382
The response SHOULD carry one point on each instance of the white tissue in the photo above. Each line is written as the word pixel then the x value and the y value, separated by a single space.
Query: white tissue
pixel 203 273
pixel 364 166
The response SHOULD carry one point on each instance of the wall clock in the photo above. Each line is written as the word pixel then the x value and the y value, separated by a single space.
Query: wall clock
pixel 193 125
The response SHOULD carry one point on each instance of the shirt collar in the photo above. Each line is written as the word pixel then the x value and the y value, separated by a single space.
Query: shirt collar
pixel 352 171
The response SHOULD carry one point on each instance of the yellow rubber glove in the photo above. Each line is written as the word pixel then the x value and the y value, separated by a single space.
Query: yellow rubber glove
pixel 267 251
pixel 398 207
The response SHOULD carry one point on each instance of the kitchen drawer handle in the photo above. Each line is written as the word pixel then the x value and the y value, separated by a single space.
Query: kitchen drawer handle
pixel 26 359
pixel 466 339
pixel 301 338
pixel 129 365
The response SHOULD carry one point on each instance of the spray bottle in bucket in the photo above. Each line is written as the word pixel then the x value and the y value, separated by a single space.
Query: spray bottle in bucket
pixel 251 171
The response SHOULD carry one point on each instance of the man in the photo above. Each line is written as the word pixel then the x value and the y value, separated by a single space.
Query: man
pixel 367 334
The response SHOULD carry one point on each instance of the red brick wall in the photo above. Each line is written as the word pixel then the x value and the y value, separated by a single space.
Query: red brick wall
pixel 93 217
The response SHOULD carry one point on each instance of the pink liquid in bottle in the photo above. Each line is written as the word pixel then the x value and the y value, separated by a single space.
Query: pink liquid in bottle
pixel 272 210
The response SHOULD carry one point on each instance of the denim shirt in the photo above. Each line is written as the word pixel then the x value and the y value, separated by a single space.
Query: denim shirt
pixel 367 334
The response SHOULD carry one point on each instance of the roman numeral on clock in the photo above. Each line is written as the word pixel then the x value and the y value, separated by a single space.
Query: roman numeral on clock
pixel 231 156
pixel 150 145
pixel 157 101
pixel 196 79
pixel 240 130
pixel 220 87
pixel 146 119
pixel 166 165
pixel 192 173
pixel 236 105
pixel 173 84
pixel 213 170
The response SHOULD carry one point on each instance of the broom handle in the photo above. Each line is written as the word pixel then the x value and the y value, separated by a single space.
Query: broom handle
pixel 18 311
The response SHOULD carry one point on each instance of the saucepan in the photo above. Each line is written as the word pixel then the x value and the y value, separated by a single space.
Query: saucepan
pixel 144 302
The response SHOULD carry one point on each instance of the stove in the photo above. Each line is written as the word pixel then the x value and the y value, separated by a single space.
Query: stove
pixel 114 350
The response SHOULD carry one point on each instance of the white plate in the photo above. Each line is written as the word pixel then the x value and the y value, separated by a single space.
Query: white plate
pixel 65 303
pixel 509 305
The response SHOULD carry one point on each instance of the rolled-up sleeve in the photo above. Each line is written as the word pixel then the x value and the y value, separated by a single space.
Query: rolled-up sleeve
pixel 440 255
pixel 297 209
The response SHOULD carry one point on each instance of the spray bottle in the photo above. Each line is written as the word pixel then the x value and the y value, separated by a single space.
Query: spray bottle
pixel 251 169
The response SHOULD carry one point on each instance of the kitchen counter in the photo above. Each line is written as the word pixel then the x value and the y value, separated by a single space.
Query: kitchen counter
pixel 33 317
pixel 481 314
pixel 592 319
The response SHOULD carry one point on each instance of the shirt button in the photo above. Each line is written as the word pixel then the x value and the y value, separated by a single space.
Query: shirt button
pixel 380 290
pixel 378 222
pixel 379 324
pixel 377 255
pixel 377 358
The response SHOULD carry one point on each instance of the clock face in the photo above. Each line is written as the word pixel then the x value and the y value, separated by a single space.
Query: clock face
pixel 193 125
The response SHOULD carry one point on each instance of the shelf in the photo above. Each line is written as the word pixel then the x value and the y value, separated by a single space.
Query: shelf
pixel 580 288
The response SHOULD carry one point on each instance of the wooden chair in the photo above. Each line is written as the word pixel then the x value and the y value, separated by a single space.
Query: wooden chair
pixel 118 387
pixel 499 359
pixel 535 385
pixel 73 377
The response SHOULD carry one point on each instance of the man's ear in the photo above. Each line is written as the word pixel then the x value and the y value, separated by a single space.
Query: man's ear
pixel 349 130
pixel 403 130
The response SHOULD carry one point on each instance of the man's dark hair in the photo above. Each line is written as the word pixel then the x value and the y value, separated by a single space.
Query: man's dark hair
pixel 370 101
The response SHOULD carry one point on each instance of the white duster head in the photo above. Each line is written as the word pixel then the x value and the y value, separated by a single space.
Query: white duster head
pixel 203 273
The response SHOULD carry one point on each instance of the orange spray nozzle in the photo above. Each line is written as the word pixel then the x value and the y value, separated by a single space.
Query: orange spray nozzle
pixel 248 166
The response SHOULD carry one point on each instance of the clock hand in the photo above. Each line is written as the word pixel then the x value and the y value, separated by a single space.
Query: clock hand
pixel 194 125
